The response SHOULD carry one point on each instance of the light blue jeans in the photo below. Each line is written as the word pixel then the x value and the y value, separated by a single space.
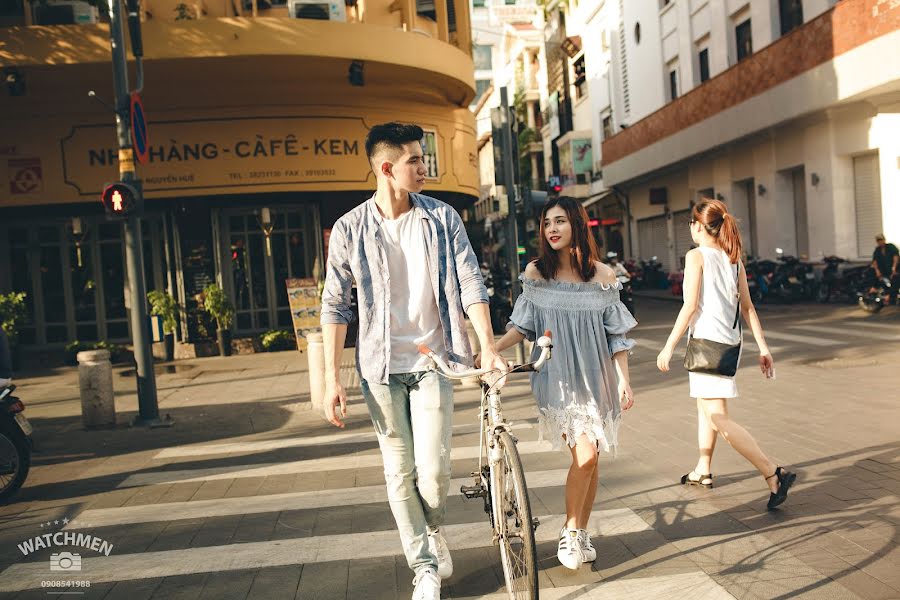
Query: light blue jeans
pixel 413 418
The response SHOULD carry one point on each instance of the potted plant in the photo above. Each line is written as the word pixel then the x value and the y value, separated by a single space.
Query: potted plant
pixel 12 316
pixel 277 340
pixel 219 307
pixel 164 305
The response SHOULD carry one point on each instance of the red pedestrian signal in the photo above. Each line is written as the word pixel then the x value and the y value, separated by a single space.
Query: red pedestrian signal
pixel 121 200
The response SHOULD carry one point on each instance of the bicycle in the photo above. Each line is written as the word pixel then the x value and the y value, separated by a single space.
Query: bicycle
pixel 500 479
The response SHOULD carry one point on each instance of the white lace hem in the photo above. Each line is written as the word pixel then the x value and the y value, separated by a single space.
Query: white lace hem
pixel 571 422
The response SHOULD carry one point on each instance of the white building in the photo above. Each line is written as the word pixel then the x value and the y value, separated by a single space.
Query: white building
pixel 509 38
pixel 788 110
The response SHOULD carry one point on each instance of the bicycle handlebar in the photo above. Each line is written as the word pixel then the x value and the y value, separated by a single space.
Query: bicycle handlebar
pixel 545 342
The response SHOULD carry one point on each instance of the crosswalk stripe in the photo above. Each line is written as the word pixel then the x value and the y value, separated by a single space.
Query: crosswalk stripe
pixel 803 339
pixel 197 509
pixel 695 585
pixel 891 327
pixel 330 463
pixel 338 437
pixel 887 337
pixel 259 555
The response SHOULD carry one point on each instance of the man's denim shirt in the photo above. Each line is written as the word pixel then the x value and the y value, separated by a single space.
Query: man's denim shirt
pixel 355 252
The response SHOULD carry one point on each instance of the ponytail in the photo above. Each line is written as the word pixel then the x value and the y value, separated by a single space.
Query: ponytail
pixel 730 238
pixel 720 224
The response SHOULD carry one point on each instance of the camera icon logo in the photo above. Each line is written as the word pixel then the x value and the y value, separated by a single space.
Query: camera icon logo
pixel 65 561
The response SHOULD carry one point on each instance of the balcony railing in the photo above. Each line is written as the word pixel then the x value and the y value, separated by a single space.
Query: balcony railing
pixel 446 20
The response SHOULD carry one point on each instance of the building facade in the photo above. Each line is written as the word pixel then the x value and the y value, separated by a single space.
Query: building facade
pixel 254 108
pixel 786 110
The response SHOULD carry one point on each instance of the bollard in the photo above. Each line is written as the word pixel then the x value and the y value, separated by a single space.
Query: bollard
pixel 315 354
pixel 98 405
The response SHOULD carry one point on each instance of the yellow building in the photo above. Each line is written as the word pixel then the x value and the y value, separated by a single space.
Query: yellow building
pixel 250 104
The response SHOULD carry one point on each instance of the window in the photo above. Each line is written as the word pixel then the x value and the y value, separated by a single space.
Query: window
pixel 607 127
pixel 744 38
pixel 581 88
pixel 791 12
pixel 482 55
pixel 673 81
pixel 478 3
pixel 703 58
pixel 481 86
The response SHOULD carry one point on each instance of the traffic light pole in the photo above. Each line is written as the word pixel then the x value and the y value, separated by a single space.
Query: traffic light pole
pixel 512 200
pixel 146 379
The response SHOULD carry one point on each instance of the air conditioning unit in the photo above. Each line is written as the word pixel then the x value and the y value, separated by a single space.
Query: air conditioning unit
pixel 64 12
pixel 324 10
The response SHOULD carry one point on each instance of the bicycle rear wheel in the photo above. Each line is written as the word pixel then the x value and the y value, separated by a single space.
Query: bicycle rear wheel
pixel 512 519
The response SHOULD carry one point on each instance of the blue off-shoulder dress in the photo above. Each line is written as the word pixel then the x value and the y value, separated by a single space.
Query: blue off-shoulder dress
pixel 576 391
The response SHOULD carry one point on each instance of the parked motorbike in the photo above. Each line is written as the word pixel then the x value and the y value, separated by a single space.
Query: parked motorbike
pixel 676 280
pixel 626 294
pixel 654 277
pixel 635 274
pixel 623 276
pixel 759 272
pixel 792 279
pixel 841 284
pixel 877 294
pixel 15 444
pixel 498 290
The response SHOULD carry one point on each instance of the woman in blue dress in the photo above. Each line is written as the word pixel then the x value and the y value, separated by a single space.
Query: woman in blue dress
pixel 581 392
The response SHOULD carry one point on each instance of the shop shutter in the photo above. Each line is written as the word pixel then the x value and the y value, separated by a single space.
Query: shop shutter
pixel 867 191
pixel 683 241
pixel 653 239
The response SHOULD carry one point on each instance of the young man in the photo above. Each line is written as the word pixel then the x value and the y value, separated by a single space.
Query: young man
pixel 416 278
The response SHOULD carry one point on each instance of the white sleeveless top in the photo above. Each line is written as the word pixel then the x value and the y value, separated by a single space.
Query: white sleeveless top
pixel 718 299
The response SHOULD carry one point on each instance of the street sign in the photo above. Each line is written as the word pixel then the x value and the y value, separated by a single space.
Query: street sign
pixel 121 200
pixel 139 128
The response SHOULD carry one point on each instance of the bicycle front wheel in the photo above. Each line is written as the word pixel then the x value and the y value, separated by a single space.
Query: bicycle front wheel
pixel 512 519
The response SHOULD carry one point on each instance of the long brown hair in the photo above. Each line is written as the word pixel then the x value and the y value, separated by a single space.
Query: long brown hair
pixel 584 250
pixel 719 223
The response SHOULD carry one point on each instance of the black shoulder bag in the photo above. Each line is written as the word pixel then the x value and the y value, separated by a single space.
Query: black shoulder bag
pixel 715 358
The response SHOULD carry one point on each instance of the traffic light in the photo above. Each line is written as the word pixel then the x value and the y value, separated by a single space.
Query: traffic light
pixel 554 187
pixel 122 200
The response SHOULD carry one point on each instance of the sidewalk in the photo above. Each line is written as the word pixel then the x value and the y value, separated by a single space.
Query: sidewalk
pixel 251 495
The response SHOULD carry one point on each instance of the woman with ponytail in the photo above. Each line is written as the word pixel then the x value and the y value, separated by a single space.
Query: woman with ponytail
pixel 715 292
pixel 583 391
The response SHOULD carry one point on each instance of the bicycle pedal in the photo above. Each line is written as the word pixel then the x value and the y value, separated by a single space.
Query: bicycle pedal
pixel 473 491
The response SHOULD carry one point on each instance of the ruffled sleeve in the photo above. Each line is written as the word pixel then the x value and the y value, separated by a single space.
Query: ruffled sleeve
pixel 522 318
pixel 618 321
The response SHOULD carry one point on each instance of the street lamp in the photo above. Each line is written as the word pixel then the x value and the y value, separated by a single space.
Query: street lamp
pixel 78 237
pixel 265 223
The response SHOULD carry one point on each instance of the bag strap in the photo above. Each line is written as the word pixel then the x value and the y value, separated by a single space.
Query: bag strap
pixel 737 281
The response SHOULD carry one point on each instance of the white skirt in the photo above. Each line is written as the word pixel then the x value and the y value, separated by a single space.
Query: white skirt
pixel 704 385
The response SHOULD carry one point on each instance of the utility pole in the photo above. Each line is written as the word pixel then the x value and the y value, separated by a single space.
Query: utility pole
pixel 140 329
pixel 512 200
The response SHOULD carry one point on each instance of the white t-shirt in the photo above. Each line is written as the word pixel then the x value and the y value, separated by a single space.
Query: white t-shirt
pixel 414 313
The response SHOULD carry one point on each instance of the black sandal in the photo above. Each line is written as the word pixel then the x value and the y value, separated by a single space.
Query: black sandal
pixel 785 481
pixel 686 480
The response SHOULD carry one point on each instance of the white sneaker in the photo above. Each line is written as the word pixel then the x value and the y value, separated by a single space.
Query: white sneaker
pixel 569 550
pixel 428 585
pixel 437 545
pixel 588 552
